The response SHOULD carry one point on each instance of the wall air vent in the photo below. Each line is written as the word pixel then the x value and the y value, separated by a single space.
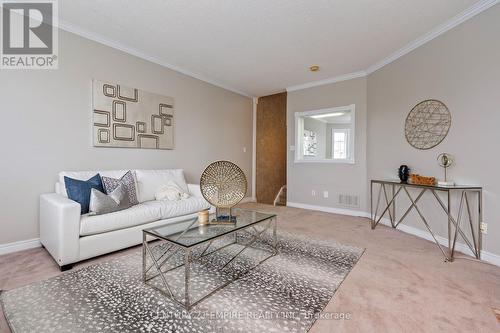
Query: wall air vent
pixel 348 200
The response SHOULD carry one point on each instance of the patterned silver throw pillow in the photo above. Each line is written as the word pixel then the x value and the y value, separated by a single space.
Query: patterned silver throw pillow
pixel 128 181
pixel 101 203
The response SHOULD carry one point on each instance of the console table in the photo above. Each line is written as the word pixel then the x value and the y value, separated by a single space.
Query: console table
pixel 388 190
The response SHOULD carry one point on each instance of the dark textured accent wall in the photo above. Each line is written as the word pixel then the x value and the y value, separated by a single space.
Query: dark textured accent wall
pixel 271 147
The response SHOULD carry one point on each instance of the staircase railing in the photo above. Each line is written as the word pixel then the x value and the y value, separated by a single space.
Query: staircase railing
pixel 280 193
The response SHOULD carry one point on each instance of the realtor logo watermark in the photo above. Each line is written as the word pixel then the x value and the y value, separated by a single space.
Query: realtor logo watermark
pixel 29 34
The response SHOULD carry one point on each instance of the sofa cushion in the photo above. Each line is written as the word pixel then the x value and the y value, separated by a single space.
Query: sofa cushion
pixel 135 215
pixel 187 206
pixel 79 190
pixel 128 182
pixel 142 213
pixel 149 181
pixel 101 203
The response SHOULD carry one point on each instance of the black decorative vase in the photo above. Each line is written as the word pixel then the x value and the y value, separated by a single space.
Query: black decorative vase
pixel 404 173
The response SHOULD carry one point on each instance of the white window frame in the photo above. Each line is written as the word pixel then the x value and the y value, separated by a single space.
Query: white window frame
pixel 299 127
pixel 348 140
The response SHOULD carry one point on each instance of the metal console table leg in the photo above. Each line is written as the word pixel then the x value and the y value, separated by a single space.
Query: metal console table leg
pixel 454 225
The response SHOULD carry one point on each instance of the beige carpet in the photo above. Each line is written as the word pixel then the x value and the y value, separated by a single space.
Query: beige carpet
pixel 497 314
pixel 400 284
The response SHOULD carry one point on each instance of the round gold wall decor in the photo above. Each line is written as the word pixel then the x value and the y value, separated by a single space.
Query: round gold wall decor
pixel 223 184
pixel 427 124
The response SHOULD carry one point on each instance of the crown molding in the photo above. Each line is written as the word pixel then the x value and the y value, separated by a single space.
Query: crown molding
pixel 467 14
pixel 69 27
pixel 335 79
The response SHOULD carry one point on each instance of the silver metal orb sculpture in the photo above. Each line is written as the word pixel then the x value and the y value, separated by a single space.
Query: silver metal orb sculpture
pixel 427 124
pixel 445 160
pixel 223 184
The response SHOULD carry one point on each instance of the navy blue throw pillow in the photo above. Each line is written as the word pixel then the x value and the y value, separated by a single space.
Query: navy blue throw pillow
pixel 79 190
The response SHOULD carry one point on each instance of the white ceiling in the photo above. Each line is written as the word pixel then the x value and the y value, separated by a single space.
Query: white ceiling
pixel 259 47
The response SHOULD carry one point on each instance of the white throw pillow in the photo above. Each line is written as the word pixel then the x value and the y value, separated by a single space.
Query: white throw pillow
pixel 171 191
pixel 149 182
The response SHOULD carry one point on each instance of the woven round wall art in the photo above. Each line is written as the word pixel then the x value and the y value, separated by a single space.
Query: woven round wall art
pixel 427 124
pixel 223 184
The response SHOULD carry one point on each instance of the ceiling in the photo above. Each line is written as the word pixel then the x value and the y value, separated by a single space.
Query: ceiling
pixel 259 47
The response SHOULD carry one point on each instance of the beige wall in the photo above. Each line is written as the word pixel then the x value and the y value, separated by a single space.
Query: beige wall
pixel 462 69
pixel 335 178
pixel 46 126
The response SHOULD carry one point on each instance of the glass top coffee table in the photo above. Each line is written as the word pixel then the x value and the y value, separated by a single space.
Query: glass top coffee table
pixel 186 248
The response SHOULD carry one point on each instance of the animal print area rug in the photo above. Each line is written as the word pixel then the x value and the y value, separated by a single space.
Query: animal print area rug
pixel 286 293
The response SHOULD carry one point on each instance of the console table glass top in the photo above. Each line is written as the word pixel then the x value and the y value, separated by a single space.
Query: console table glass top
pixel 436 187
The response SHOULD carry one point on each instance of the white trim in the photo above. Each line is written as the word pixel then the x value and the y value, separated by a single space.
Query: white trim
pixel 350 107
pixel 255 101
pixel 492 258
pixel 335 79
pixel 325 160
pixel 299 129
pixel 470 12
pixel 460 247
pixel 467 14
pixel 20 246
pixel 341 211
pixel 70 27
pixel 348 143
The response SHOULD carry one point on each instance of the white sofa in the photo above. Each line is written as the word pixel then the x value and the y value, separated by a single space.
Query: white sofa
pixel 70 237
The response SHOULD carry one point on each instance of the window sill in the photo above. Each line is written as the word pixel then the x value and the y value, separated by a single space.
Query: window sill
pixel 324 161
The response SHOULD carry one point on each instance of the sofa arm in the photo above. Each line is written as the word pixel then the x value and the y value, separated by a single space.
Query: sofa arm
pixel 60 227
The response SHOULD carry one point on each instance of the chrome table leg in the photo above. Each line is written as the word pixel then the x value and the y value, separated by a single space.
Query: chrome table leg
pixel 187 264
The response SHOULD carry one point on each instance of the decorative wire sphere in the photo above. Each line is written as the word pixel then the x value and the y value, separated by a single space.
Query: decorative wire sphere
pixel 445 160
pixel 427 124
pixel 223 184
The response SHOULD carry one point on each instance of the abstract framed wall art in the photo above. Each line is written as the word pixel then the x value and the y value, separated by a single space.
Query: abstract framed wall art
pixel 127 117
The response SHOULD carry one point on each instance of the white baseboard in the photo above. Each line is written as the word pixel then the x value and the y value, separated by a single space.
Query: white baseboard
pixel 489 257
pixel 19 246
pixel 341 211
pixel 492 258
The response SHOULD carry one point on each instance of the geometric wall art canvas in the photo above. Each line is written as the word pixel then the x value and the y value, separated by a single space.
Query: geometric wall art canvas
pixel 131 118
